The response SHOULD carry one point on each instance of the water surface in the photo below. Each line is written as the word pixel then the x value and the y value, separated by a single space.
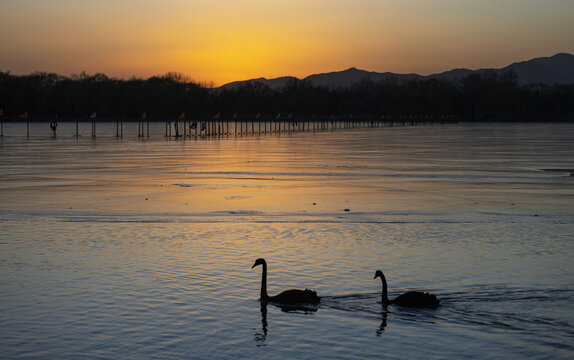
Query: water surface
pixel 120 248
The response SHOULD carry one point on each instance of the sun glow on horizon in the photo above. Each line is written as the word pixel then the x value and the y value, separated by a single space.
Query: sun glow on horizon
pixel 227 40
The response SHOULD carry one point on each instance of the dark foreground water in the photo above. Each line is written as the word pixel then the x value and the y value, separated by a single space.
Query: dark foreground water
pixel 120 249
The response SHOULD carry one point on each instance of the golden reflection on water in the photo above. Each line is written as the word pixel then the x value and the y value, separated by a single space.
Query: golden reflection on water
pixel 303 173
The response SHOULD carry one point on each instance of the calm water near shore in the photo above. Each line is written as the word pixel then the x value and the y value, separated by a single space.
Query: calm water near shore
pixel 126 249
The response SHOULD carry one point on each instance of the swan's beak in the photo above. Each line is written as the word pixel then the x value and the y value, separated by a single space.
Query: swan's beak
pixel 254 265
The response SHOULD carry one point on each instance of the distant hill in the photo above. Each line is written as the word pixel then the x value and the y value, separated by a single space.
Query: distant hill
pixel 353 75
pixel 276 83
pixel 557 69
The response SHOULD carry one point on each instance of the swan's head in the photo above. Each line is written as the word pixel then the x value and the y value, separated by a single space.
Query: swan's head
pixel 378 274
pixel 259 261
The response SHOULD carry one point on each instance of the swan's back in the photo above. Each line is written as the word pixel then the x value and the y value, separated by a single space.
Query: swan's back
pixel 296 296
pixel 416 299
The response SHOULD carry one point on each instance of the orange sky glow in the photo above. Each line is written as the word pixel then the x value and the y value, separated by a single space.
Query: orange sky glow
pixel 226 40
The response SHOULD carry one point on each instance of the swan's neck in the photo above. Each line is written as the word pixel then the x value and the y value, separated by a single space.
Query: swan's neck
pixel 264 295
pixel 384 297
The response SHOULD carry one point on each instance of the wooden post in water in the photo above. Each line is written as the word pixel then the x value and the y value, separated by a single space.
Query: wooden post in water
pixel 182 118
pixel 121 129
pixel 25 116
pixel 93 118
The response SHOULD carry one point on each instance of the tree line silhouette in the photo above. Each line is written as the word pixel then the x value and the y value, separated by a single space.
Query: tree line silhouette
pixel 489 96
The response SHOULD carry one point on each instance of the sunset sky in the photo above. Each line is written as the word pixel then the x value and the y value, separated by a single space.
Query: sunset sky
pixel 225 40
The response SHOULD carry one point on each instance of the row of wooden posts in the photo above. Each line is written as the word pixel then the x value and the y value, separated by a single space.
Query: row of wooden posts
pixel 222 127
pixel 183 128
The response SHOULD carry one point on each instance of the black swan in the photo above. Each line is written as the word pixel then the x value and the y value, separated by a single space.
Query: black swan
pixel 288 296
pixel 408 299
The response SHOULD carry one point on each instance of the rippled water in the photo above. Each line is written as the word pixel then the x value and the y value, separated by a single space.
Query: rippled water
pixel 127 249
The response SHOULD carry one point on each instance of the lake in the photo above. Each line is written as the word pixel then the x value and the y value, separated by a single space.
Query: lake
pixel 129 249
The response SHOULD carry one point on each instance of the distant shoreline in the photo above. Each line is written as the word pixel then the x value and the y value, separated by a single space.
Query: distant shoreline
pixel 487 96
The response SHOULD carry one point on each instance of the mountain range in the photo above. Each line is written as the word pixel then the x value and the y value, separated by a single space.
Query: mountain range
pixel 557 69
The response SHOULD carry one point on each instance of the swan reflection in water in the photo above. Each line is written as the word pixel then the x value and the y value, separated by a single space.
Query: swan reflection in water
pixel 261 336
pixel 383 324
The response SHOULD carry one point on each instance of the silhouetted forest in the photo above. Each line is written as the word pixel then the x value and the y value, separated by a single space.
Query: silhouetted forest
pixel 479 97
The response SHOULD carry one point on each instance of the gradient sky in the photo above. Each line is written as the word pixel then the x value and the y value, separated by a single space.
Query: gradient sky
pixel 225 40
